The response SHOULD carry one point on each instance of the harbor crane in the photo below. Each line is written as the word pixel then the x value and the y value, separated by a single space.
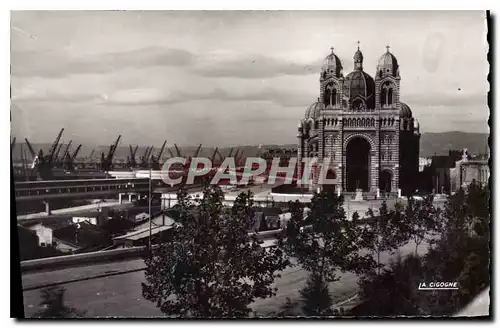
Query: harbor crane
pixel 107 161
pixel 155 160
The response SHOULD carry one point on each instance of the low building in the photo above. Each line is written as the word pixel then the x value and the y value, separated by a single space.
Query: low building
pixel 267 218
pixel 45 230
pixel 467 171
pixel 67 236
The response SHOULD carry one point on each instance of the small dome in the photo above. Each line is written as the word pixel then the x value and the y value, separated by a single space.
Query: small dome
pixel 388 65
pixel 358 60
pixel 313 112
pixel 358 55
pixel 332 65
pixel 405 111
pixel 360 83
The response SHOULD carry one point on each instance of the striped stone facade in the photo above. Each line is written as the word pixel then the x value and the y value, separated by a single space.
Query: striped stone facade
pixel 354 107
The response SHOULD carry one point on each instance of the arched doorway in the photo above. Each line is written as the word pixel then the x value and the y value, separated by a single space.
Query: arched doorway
pixel 385 181
pixel 358 164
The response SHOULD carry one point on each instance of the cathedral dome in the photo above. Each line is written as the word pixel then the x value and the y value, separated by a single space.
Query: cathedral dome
pixel 405 111
pixel 332 65
pixel 359 83
pixel 388 65
pixel 314 110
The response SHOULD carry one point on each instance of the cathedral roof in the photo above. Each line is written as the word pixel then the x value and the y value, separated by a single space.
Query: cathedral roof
pixel 358 56
pixel 405 111
pixel 388 64
pixel 360 83
pixel 332 65
pixel 313 111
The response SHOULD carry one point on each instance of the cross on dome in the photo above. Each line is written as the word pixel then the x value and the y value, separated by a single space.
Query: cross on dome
pixel 387 47
pixel 358 45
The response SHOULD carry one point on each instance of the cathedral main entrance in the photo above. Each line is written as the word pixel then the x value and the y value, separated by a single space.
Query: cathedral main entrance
pixel 358 164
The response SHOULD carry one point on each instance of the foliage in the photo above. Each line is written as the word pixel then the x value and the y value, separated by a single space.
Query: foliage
pixel 383 233
pixel 316 297
pixel 461 254
pixel 212 267
pixel 53 305
pixel 393 291
pixel 328 245
pixel 421 220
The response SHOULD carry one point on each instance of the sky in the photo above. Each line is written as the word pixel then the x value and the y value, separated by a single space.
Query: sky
pixel 230 78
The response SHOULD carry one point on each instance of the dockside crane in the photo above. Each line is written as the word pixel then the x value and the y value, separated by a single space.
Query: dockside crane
pixel 52 150
pixel 155 160
pixel 45 163
pixel 177 150
pixel 144 158
pixel 132 163
pixel 75 153
pixel 69 159
pixel 30 149
pixel 60 162
pixel 107 161
pixel 160 154
pixel 213 155
pixel 238 161
pixel 148 156
pixel 56 156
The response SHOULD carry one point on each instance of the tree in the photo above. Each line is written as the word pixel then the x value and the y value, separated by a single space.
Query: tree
pixel 53 305
pixel 316 299
pixel 383 233
pixel 212 267
pixel 421 220
pixel 327 246
pixel 461 254
pixel 394 291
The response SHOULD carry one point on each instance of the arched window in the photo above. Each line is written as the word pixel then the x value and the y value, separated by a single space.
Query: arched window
pixel 383 97
pixel 386 94
pixel 330 98
pixel 316 124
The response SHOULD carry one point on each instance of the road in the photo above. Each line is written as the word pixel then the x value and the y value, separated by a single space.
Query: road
pixel 120 295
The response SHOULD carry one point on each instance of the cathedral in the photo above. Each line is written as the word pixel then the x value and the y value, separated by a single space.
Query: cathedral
pixel 368 138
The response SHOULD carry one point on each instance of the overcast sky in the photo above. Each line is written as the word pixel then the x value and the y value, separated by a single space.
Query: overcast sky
pixel 229 78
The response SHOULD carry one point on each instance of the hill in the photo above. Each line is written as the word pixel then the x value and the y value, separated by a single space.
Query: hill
pixel 440 143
